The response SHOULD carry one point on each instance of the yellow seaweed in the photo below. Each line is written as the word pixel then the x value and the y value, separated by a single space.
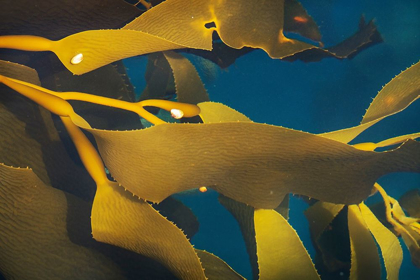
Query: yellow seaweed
pixel 281 254
pixel 364 254
pixel 88 50
pixel 56 103
pixel 33 234
pixel 85 51
pixel 238 24
pixel 256 173
pixel 390 246
pixel 189 88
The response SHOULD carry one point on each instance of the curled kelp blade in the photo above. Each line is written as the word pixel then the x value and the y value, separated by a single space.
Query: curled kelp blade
pixel 34 233
pixel 188 85
pixel 364 254
pixel 253 163
pixel 397 95
pixel 123 220
pixel 390 246
pixel 281 254
pixel 238 24
pixel 159 78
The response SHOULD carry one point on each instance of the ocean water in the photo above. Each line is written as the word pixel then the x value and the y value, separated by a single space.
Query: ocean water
pixel 315 97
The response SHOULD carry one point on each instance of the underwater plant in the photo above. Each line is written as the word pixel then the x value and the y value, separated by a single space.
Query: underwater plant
pixel 131 157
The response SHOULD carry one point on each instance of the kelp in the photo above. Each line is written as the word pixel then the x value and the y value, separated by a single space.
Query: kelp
pixel 104 225
pixel 254 164
pixel 364 257
pixel 367 36
pixel 36 17
pixel 34 233
pixel 29 138
pixel 335 172
pixel 188 85
pixel 85 51
pixel 273 235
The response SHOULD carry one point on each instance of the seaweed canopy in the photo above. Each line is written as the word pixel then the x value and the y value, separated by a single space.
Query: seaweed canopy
pixel 190 25
pixel 254 166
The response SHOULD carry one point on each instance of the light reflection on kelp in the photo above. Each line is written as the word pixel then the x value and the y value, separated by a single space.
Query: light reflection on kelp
pixel 253 166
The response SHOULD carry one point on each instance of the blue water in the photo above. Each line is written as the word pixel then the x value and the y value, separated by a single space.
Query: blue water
pixel 315 97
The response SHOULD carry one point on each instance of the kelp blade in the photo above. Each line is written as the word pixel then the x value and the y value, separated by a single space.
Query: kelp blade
pixel 121 219
pixel 34 232
pixel 364 254
pixel 390 246
pixel 281 254
pixel 253 163
pixel 238 24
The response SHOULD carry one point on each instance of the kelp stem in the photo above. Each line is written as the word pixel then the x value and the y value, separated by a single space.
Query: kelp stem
pixel 25 43
pixel 87 152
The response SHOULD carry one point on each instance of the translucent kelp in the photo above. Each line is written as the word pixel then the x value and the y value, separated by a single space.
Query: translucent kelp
pixel 197 145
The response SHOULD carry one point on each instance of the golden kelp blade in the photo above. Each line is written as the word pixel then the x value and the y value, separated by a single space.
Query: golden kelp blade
pixel 281 254
pixel 238 24
pixel 85 51
pixel 364 254
pixel 189 87
pixel 252 163
pixel 34 242
pixel 126 221
pixel 390 246
pixel 213 112
pixel 397 95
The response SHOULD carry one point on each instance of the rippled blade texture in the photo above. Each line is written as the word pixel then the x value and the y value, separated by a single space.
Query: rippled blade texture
pixel 121 219
pixel 34 243
pixel 364 254
pixel 274 236
pixel 253 163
